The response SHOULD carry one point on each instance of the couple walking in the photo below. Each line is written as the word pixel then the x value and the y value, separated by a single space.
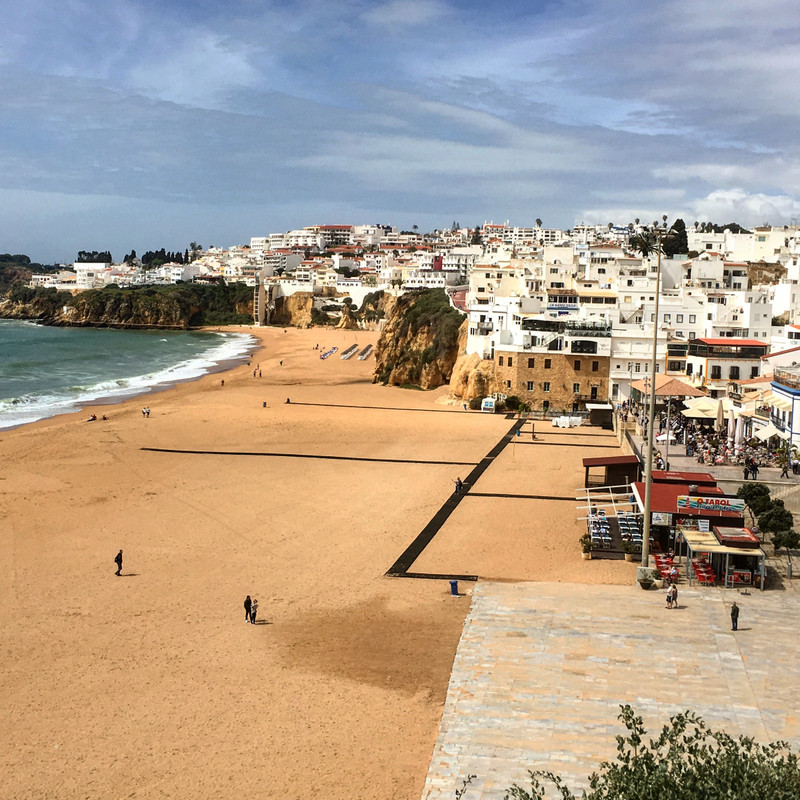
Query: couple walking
pixel 250 610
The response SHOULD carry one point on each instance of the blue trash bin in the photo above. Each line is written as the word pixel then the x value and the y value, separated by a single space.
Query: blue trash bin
pixel 454 588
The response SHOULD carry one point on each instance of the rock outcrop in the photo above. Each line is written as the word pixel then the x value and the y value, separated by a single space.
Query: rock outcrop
pixel 294 310
pixel 420 340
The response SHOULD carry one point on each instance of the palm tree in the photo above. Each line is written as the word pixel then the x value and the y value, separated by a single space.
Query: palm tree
pixel 644 242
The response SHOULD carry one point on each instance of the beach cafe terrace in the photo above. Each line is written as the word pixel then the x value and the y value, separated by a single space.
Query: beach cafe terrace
pixel 731 556
pixel 686 499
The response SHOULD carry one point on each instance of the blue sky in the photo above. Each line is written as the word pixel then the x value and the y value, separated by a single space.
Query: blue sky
pixel 134 124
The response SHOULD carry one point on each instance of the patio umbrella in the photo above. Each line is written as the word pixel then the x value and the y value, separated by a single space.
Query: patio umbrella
pixel 720 417
pixel 738 436
pixel 731 424
pixel 662 437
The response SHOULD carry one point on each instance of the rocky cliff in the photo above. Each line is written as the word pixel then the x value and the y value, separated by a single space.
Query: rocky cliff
pixel 419 344
pixel 180 306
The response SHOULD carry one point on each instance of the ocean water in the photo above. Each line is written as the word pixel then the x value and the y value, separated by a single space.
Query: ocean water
pixel 46 371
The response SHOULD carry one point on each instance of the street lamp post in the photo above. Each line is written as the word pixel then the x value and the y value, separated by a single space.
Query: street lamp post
pixel 648 490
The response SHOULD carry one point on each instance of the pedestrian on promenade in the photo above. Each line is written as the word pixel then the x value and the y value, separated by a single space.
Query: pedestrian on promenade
pixel 734 617
pixel 248 604
pixel 671 595
pixel 118 562
pixel 785 470
pixel 253 611
pixel 746 472
pixel 754 470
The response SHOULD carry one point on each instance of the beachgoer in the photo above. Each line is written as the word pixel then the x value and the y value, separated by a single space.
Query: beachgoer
pixel 143 411
pixel 254 372
pixel 118 562
pixel 248 604
pixel 105 418
pixel 253 611
pixel 281 362
pixel 785 471
pixel 222 382
pixel 734 617
pixel 93 418
pixel 259 373
pixel 459 485
pixel 673 589
pixel 148 412
pixel 670 595
pixel 288 401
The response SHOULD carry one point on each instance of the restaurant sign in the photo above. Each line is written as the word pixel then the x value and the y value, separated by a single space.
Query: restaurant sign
pixel 711 503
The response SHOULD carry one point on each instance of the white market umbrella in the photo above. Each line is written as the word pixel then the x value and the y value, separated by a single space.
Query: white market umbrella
pixel 738 436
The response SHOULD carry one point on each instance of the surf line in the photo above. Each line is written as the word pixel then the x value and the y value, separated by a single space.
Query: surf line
pixel 401 567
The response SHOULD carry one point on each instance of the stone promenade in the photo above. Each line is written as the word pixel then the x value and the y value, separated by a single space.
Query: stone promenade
pixel 542 669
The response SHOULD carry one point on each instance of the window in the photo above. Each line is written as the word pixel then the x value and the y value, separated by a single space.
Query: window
pixel 595 366
pixel 546 406
pixel 679 317
pixel 577 365
pixel 674 366
pixel 546 386
pixel 547 363
pixel 576 388
pixel 667 317
pixel 531 363
pixel 689 369
pixel 593 394
pixel 637 367
pixel 500 361
pixel 508 384
pixel 652 317
pixel 481 288
pixel 753 372
pixel 554 270
pixel 692 318
pixel 710 316
pixel 734 373
pixel 530 386
pixel 510 361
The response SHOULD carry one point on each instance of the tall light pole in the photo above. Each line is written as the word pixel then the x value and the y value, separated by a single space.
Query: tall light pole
pixel 648 488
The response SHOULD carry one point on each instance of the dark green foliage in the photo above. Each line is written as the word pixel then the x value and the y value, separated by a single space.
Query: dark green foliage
pixel 775 518
pixel 756 495
pixel 18 268
pixel 512 403
pixel 790 540
pixel 319 317
pixel 181 305
pixel 687 761
pixel 676 241
pixel 94 257
pixel 475 404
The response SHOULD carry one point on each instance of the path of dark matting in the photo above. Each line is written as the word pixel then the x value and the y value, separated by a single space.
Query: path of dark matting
pixel 564 444
pixel 400 567
pixel 380 408
pixel 308 455
pixel 524 496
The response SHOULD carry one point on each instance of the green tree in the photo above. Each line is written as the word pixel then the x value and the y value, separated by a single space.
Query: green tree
pixel 755 496
pixel 687 761
pixel 776 518
pixel 789 540
pixel 476 236
pixel 676 241
pixel 538 223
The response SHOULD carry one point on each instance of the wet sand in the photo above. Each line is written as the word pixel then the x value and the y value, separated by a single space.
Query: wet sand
pixel 150 685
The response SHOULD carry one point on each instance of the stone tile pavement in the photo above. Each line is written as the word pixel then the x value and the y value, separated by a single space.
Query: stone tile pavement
pixel 542 668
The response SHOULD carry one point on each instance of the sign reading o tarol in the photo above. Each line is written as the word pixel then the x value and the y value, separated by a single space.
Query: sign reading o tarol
pixel 734 504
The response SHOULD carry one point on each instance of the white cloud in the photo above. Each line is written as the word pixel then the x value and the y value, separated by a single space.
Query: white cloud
pixel 738 205
pixel 405 12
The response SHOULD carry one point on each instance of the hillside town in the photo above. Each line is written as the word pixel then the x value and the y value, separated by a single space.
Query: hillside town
pixel 566 316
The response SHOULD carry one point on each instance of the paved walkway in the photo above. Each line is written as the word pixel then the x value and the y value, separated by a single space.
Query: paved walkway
pixel 542 668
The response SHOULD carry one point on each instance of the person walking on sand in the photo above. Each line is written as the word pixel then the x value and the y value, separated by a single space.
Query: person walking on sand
pixel 253 611
pixel 459 485
pixel 118 562
pixel 734 617
pixel 247 606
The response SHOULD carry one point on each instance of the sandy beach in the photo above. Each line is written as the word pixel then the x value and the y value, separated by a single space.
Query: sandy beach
pixel 150 685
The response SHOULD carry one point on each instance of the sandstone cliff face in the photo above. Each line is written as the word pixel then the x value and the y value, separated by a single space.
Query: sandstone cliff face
pixel 419 343
pixel 472 377
pixel 293 310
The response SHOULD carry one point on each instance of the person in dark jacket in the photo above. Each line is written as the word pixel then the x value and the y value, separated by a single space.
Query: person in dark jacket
pixel 734 617
pixel 118 562
pixel 247 606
